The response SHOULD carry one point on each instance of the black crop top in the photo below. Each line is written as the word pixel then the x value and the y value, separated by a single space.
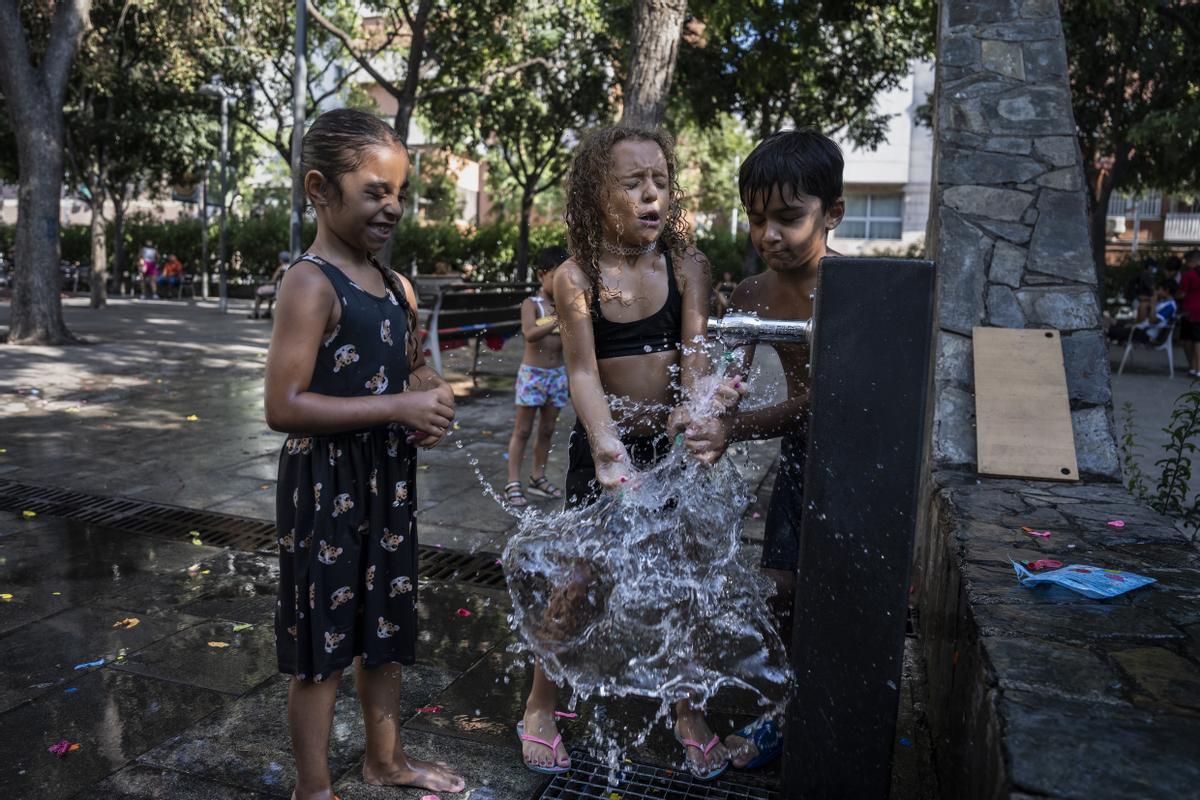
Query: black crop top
pixel 656 333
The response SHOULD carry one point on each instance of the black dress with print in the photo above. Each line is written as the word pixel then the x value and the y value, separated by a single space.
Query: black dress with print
pixel 344 511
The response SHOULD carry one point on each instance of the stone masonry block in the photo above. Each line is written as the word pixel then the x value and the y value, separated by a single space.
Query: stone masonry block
pixel 1003 310
pixel 981 12
pixel 955 359
pixel 964 166
pixel 1096 443
pixel 1039 9
pixel 1069 179
pixel 963 252
pixel 1061 307
pixel 1029 111
pixel 1060 151
pixel 1085 354
pixel 1018 145
pixel 954 427
pixel 1023 30
pixel 1005 58
pixel 1061 243
pixel 1160 677
pixel 1045 61
pixel 1012 231
pixel 958 51
pixel 1008 264
pixel 983 201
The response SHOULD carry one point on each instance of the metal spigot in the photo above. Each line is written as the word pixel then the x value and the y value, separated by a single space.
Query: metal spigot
pixel 739 329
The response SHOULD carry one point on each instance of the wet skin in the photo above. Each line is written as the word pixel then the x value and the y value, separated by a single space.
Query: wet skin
pixel 789 230
pixel 638 202
pixel 355 218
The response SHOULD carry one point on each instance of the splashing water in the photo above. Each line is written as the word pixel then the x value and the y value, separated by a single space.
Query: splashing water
pixel 648 593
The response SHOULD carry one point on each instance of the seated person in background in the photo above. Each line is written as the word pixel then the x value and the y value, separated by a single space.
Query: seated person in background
pixel 172 274
pixel 1140 289
pixel 267 291
pixel 1171 269
pixel 1158 320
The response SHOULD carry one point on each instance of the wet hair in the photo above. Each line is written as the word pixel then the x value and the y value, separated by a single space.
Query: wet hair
pixel 804 161
pixel 589 185
pixel 550 257
pixel 337 144
pixel 339 141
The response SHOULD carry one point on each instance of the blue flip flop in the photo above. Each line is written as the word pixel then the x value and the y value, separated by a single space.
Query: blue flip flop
pixel 764 734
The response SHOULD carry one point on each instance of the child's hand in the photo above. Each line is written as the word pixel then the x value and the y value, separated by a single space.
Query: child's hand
pixel 612 463
pixel 678 420
pixel 427 412
pixel 706 439
pixel 446 395
pixel 729 394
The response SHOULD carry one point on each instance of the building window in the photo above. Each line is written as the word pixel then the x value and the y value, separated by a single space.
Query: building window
pixel 872 216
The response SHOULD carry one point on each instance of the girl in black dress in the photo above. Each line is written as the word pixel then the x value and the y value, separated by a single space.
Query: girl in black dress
pixel 347 382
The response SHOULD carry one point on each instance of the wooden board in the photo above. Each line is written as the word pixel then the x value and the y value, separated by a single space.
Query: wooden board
pixel 1022 415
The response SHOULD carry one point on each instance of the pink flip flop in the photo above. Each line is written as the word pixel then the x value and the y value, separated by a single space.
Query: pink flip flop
pixel 527 737
pixel 704 749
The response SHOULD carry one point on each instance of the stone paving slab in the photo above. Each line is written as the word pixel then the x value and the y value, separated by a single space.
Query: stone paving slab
pixel 147 783
pixel 114 715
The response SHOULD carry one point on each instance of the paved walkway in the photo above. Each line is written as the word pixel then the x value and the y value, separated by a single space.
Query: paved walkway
pixel 166 405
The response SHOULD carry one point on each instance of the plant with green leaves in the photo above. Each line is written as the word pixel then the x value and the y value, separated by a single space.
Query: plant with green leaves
pixel 1170 494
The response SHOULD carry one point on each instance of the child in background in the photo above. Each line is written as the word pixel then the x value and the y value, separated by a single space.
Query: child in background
pixel 632 302
pixel 347 382
pixel 791 188
pixel 541 389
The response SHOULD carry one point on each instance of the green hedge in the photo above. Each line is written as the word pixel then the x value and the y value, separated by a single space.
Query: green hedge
pixel 439 247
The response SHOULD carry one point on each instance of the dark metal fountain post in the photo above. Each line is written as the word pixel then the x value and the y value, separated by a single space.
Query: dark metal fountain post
pixel 871 341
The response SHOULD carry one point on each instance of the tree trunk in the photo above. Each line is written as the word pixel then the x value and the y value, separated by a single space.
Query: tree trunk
pixel 99 276
pixel 523 234
pixel 406 101
pixel 119 244
pixel 657 25
pixel 34 96
pixel 37 316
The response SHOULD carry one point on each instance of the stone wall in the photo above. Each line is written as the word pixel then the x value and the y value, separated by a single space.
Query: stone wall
pixel 1008 223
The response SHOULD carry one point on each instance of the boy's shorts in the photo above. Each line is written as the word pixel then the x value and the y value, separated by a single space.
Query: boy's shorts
pixel 540 386
pixel 781 541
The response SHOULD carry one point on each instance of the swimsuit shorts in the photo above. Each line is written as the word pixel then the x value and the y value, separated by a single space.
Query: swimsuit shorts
pixel 540 386
pixel 781 540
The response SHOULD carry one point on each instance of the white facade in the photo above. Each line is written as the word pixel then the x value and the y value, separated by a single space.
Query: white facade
pixel 887 189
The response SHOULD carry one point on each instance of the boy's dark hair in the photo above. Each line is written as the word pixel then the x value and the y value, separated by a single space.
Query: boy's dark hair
pixel 1191 255
pixel 1173 264
pixel 1170 284
pixel 550 257
pixel 589 182
pixel 803 161
pixel 339 140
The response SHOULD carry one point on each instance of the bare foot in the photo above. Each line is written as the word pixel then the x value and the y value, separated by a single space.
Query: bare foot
pixel 691 725
pixel 540 723
pixel 741 751
pixel 419 774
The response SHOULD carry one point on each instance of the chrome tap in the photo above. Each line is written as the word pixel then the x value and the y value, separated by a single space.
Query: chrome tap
pixel 740 329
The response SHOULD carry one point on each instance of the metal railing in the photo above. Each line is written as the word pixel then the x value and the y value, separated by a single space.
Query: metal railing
pixel 1149 206
pixel 1182 228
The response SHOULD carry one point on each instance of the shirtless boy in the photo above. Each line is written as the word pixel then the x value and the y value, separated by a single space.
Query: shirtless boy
pixel 791 187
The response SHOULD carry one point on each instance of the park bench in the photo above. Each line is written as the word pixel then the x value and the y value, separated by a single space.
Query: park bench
pixel 464 311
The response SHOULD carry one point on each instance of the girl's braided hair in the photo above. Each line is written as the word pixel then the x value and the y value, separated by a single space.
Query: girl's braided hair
pixel 337 144
pixel 590 184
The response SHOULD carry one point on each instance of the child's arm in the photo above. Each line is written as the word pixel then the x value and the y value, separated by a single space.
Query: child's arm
pixel 303 313
pixel 529 327
pixel 421 376
pixel 587 393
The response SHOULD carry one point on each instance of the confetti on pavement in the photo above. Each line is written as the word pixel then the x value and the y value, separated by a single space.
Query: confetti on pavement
pixel 127 623
pixel 218 645
pixel 1117 523
pixel 99 662
pixel 462 612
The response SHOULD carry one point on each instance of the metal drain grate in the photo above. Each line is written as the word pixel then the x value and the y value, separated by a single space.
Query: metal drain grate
pixel 139 516
pixel 588 779
pixel 221 530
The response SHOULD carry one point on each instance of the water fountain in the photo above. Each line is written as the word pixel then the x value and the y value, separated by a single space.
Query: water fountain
pixel 871 356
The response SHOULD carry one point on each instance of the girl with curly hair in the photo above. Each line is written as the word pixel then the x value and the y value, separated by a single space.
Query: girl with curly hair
pixel 633 307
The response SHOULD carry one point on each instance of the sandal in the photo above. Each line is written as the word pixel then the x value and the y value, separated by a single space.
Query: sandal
pixel 704 749
pixel 514 495
pixel 764 734
pixel 544 488
pixel 553 746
